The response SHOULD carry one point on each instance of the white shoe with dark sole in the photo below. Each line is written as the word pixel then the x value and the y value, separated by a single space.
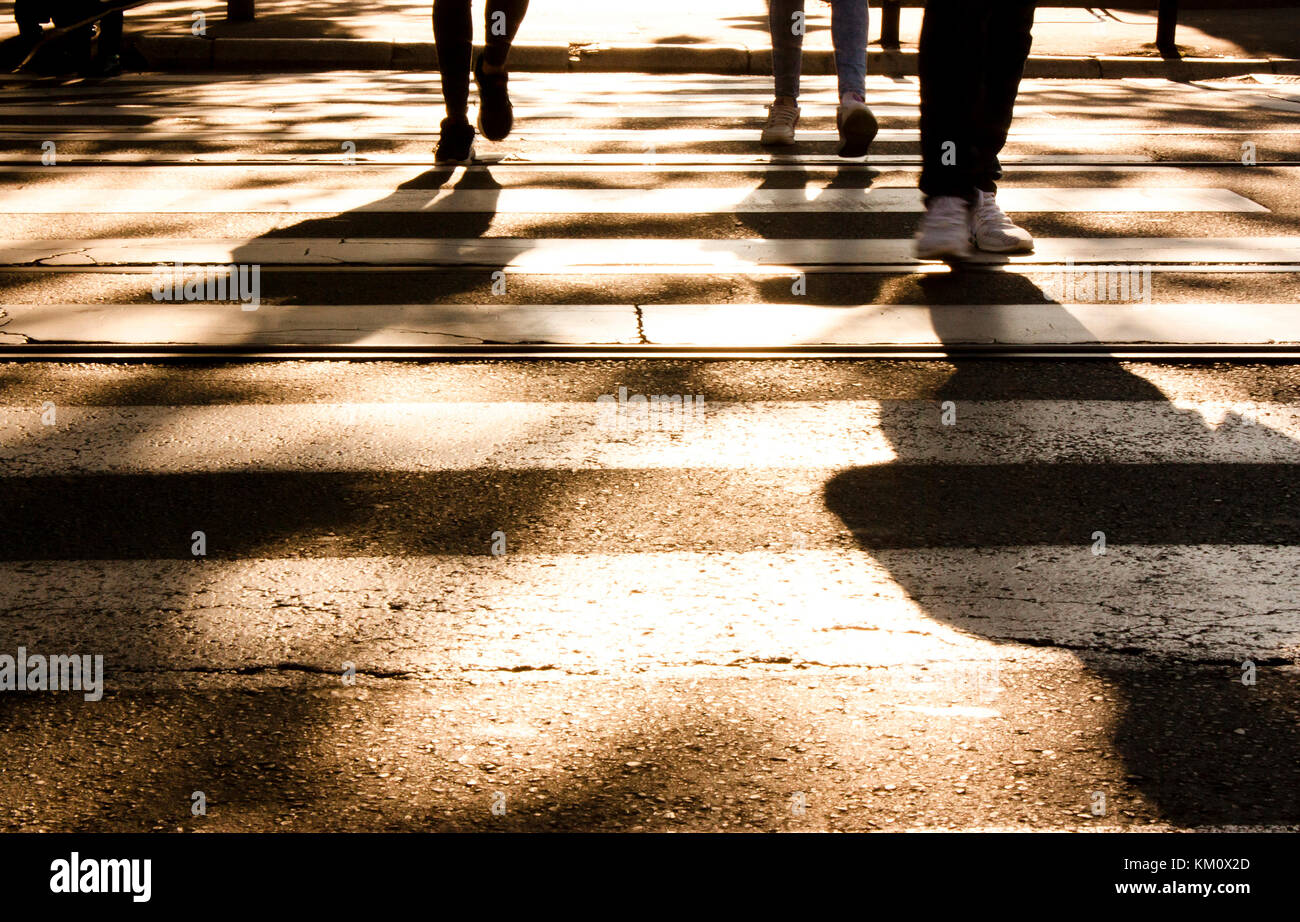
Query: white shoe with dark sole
pixel 779 130
pixel 945 230
pixel 991 231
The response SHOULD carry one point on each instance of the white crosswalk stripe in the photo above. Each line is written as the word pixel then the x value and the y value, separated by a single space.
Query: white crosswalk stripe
pixel 614 434
pixel 457 613
pixel 713 200
pixel 653 172
pixel 632 107
pixel 559 160
pixel 1135 324
pixel 567 256
pixel 463 614
pixel 418 128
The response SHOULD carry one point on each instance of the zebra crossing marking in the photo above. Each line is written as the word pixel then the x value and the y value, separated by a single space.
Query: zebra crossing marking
pixel 729 325
pixel 630 256
pixel 48 199
pixel 663 434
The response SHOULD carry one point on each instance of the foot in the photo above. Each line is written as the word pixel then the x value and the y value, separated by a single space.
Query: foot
pixel 109 66
pixel 945 230
pixel 992 231
pixel 455 142
pixel 495 114
pixel 782 116
pixel 857 126
pixel 29 38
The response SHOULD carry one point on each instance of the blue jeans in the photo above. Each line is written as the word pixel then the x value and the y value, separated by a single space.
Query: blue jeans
pixel 848 35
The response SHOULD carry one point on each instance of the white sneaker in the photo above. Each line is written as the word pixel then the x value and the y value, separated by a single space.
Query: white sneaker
pixel 992 231
pixel 781 119
pixel 945 230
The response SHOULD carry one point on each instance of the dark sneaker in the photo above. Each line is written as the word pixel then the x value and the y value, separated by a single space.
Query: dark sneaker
pixel 455 142
pixel 110 66
pixel 495 114
pixel 858 128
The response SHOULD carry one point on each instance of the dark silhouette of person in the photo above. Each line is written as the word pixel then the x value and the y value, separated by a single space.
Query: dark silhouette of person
pixel 90 52
pixel 453 34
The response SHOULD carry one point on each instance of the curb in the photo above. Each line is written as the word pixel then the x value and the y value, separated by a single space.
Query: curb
pixel 189 53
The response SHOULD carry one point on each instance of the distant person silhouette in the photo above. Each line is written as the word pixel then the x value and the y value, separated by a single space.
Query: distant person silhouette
pixel 453 33
pixel 972 56
pixel 75 51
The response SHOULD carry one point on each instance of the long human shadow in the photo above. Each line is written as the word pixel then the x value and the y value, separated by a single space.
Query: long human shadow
pixel 245 513
pixel 1191 544
pixel 87 516
pixel 289 284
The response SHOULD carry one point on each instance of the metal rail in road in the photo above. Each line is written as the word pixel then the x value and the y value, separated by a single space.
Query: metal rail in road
pixel 1170 352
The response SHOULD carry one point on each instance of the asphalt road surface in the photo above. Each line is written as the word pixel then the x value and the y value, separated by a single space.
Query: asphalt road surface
pixel 474 596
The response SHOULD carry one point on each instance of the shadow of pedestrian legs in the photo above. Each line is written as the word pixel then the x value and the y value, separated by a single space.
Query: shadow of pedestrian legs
pixel 991 524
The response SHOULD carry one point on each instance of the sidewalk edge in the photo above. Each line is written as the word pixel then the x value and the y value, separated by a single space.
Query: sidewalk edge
pixel 182 53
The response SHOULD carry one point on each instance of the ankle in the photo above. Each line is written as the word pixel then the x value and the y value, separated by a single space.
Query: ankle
pixel 946 202
pixel 784 101
pixel 494 60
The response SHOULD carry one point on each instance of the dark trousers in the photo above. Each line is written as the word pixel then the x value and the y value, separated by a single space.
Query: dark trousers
pixel 972 56
pixel 453 33
pixel 31 14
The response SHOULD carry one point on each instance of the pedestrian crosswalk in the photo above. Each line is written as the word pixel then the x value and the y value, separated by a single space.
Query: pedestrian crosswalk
pixel 1102 545
pixel 479 534
pixel 643 177
pixel 751 436
pixel 150 199
pixel 459 616
pixel 904 327
pixel 601 255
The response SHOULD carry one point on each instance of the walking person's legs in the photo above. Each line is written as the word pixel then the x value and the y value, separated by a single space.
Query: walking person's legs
pixel 453 33
pixel 856 123
pixel 30 15
pixel 786 23
pixel 502 20
pixel 1007 43
pixel 971 56
pixel 849 37
pixel 950 65
pixel 496 115
pixel 107 61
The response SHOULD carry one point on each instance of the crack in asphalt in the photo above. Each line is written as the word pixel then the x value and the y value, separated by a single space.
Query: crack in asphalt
pixel 42 261
pixel 640 325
